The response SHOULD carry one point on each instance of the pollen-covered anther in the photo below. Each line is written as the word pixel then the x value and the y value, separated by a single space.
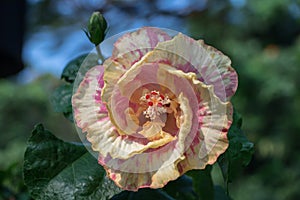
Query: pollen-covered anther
pixel 156 104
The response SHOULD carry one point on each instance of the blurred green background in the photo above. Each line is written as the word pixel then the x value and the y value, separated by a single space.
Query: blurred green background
pixel 260 36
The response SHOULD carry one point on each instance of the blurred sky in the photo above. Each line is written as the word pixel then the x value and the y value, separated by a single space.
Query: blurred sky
pixel 50 44
pixel 55 28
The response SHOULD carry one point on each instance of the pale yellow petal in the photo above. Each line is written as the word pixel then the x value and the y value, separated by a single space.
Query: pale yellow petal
pixel 211 66
pixel 156 168
pixel 215 118
pixel 106 140
pixel 113 72
pixel 131 47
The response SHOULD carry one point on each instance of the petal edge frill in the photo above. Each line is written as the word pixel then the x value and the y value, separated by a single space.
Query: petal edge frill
pixel 215 118
pixel 86 102
pixel 211 66
pixel 152 169
pixel 131 47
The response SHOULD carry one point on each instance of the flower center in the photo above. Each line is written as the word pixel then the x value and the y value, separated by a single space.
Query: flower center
pixel 156 103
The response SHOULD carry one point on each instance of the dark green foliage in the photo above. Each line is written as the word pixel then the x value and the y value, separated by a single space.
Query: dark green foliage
pixel 243 42
pixel 144 194
pixel 61 100
pixel 202 182
pixel 54 169
pixel 239 146
pixel 83 62
pixel 11 183
pixel 239 152
pixel 62 96
pixel 21 107
pixel 182 188
pixel 261 38
pixel 220 194
pixel 70 71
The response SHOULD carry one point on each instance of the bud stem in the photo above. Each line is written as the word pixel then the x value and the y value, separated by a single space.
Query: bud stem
pixel 100 53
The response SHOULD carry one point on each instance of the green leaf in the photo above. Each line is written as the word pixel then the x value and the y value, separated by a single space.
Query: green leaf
pixel 202 181
pixel 61 100
pixel 54 169
pixel 144 194
pixel 83 62
pixel 239 152
pixel 220 194
pixel 181 188
pixel 61 97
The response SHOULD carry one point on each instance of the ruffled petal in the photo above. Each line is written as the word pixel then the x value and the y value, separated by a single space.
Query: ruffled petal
pixel 113 72
pixel 192 152
pixel 137 153
pixel 108 142
pixel 91 116
pixel 155 168
pixel 134 181
pixel 87 104
pixel 120 112
pixel 139 76
pixel 131 47
pixel 228 74
pixel 188 55
pixel 215 118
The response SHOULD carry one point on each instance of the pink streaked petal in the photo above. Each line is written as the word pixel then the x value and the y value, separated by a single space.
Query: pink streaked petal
pixel 108 142
pixel 200 80
pixel 87 104
pixel 198 156
pixel 189 55
pixel 141 75
pixel 120 113
pixel 92 117
pixel 147 170
pixel 155 168
pixel 228 74
pixel 215 118
pixel 214 130
pixel 135 181
pixel 131 47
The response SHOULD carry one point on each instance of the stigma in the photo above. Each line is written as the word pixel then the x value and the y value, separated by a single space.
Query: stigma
pixel 156 104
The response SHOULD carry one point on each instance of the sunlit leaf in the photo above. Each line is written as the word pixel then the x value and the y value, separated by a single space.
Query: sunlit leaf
pixel 54 169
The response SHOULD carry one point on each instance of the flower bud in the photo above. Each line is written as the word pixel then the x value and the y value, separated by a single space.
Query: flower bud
pixel 96 29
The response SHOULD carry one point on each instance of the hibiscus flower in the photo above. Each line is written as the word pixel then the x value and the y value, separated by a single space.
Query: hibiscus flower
pixel 158 107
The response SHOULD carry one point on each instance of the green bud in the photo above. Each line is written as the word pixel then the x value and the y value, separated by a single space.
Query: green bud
pixel 96 29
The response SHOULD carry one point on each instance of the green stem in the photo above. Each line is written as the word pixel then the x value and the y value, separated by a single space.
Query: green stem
pixel 227 187
pixel 227 179
pixel 100 53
